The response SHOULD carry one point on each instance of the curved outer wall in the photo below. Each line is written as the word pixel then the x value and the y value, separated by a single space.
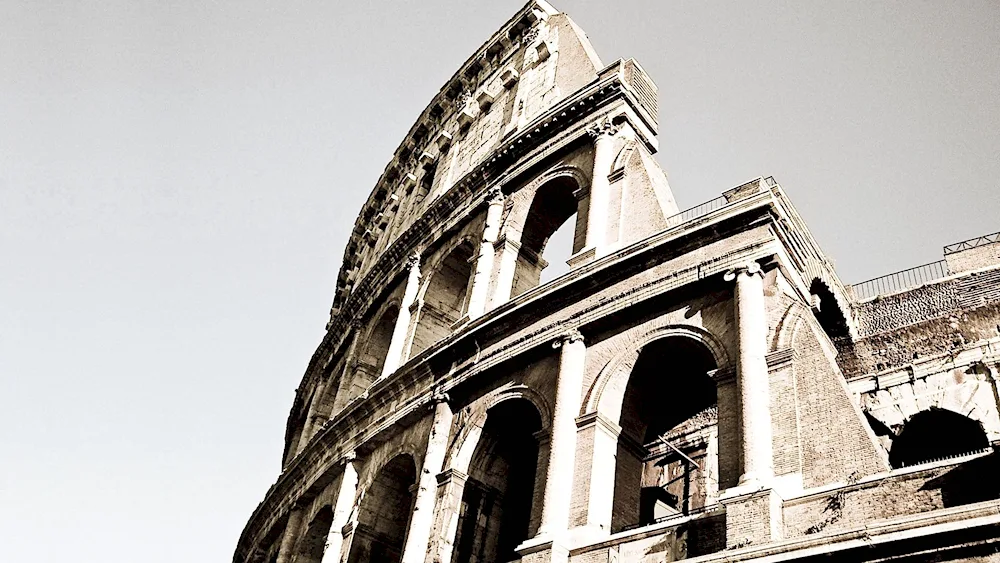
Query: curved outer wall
pixel 460 409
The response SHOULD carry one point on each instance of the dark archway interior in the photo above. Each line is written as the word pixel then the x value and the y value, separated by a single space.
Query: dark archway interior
pixel 497 500
pixel 445 298
pixel 669 421
pixel 313 540
pixel 384 514
pixel 829 315
pixel 934 434
pixel 554 204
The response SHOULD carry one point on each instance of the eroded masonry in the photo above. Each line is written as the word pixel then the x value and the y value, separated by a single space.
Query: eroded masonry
pixel 699 385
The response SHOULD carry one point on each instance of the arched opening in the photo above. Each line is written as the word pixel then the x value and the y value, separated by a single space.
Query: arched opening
pixel 445 300
pixel 936 434
pixel 384 514
pixel 827 310
pixel 554 205
pixel 313 540
pixel 374 350
pixel 668 448
pixel 497 500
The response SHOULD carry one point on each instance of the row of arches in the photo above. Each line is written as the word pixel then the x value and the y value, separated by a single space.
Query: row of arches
pixel 666 463
pixel 666 459
pixel 547 236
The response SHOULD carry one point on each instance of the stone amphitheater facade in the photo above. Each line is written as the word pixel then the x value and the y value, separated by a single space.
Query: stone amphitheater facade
pixel 698 385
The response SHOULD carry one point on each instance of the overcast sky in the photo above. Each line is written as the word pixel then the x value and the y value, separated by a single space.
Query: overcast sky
pixel 178 181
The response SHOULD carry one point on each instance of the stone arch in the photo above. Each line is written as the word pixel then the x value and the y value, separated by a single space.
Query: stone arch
pixel 816 271
pixel 384 508
pixel 500 458
pixel 827 310
pixel 936 433
pixel 666 461
pixel 619 368
pixel 443 295
pixel 371 348
pixel 312 543
pixel 537 211
pixel 460 454
pixel 624 155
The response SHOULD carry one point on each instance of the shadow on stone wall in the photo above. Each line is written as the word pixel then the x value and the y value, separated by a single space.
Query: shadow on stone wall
pixel 973 481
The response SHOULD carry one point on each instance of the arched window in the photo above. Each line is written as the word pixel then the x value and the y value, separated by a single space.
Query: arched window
pixel 496 503
pixel 384 514
pixel 554 205
pixel 445 300
pixel 936 434
pixel 313 541
pixel 668 448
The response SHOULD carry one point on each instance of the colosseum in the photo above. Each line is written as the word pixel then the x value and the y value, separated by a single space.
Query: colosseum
pixel 697 384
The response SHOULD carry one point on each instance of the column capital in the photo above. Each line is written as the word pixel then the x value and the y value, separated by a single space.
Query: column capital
pixel 413 261
pixel 494 196
pixel 438 396
pixel 602 128
pixel 568 337
pixel 348 458
pixel 750 269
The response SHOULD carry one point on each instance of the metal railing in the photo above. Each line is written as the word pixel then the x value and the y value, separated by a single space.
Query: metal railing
pixel 971 243
pixel 699 210
pixel 900 281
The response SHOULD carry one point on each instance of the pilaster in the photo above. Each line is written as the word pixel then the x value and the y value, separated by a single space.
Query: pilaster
pixel 291 535
pixel 394 356
pixel 422 520
pixel 342 509
pixel 479 294
pixel 603 134
pixel 752 378
pixel 549 543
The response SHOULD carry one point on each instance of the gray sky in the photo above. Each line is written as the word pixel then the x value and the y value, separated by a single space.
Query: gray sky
pixel 178 180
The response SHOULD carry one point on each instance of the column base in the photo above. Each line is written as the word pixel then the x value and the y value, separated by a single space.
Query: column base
pixel 543 549
pixel 586 255
pixel 753 515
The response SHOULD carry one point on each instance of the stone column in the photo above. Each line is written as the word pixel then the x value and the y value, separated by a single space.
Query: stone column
pixel 508 252
pixel 603 134
pixel 342 510
pixel 484 264
pixel 562 442
pixel 291 536
pixel 752 375
pixel 394 357
pixel 451 487
pixel 422 518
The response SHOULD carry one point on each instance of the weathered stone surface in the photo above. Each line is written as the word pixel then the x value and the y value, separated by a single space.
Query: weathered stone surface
pixel 699 384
